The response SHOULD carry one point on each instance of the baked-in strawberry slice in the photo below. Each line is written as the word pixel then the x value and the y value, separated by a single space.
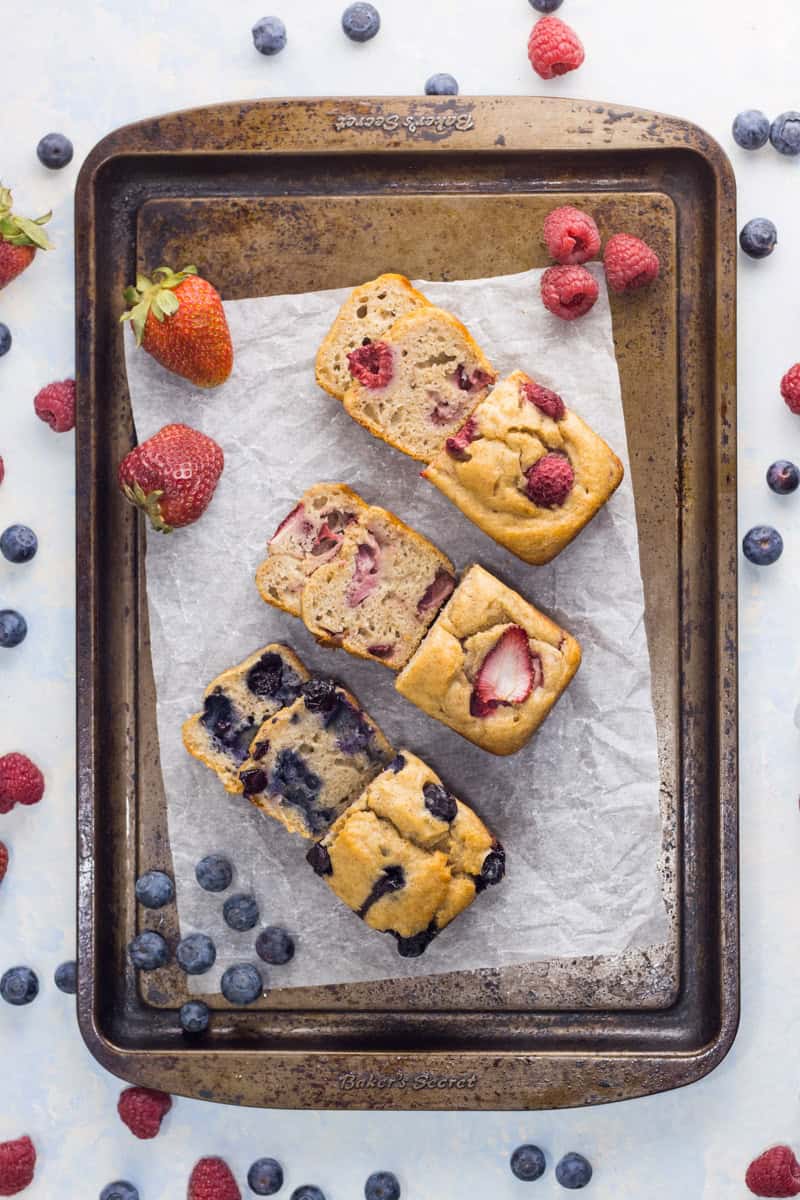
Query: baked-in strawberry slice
pixel 296 525
pixel 365 573
pixel 436 592
pixel 507 675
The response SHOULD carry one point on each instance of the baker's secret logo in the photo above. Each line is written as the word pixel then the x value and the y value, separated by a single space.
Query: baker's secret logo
pixel 423 1081
pixel 441 123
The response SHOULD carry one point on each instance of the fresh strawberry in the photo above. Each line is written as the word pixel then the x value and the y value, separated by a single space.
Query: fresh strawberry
pixel 172 476
pixel 212 1179
pixel 365 573
pixel 178 317
pixel 143 1109
pixel 507 675
pixel 17 1163
pixel 20 238
pixel 775 1173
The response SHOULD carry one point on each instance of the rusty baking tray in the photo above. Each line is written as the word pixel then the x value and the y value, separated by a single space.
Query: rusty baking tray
pixel 286 196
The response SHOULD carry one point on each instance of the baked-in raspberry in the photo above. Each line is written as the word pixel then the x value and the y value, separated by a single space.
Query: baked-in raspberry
pixel 775 1173
pixel 21 781
pixel 554 48
pixel 457 444
pixel 55 404
pixel 790 388
pixel 569 292
pixel 571 236
pixel 211 1179
pixel 550 403
pixel 3 860
pixel 550 480
pixel 372 364
pixel 629 263
pixel 143 1109
pixel 17 1163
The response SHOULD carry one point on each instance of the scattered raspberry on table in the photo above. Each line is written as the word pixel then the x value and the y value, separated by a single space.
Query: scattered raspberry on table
pixel 554 48
pixel 629 263
pixel 17 1164
pixel 143 1109
pixel 571 236
pixel 55 404
pixel 568 292
pixel 3 861
pixel 21 781
pixel 775 1173
pixel 212 1179
pixel 790 388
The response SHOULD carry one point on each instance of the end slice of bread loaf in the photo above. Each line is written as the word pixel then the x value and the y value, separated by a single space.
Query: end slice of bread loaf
pixel 366 315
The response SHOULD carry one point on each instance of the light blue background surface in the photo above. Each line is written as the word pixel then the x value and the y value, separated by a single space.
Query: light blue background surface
pixel 85 68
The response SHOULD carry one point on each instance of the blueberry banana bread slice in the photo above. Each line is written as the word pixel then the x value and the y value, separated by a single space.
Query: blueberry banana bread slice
pixel 366 315
pixel 407 856
pixel 310 536
pixel 417 385
pixel 236 704
pixel 312 759
pixel 492 666
pixel 526 469
pixel 378 596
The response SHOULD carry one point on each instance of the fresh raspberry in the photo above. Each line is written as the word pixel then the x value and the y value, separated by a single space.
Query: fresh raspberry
pixel 550 403
pixel 554 48
pixel 55 404
pixel 629 262
pixel 143 1109
pixel 3 861
pixel 17 1161
pixel 569 292
pixel 790 388
pixel 571 236
pixel 550 480
pixel 211 1179
pixel 21 782
pixel 2 469
pixel 774 1173
pixel 372 364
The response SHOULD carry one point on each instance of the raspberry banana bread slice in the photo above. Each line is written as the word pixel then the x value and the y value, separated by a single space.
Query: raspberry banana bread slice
pixel 407 856
pixel 416 385
pixel 312 759
pixel 236 703
pixel 526 469
pixel 366 315
pixel 492 666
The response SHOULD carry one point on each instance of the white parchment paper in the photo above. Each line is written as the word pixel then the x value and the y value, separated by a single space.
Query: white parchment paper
pixel 577 809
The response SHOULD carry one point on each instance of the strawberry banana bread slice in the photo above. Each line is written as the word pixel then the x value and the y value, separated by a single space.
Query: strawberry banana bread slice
pixel 309 537
pixel 312 759
pixel 407 856
pixel 379 595
pixel 492 665
pixel 526 469
pixel 416 385
pixel 236 703
pixel 366 315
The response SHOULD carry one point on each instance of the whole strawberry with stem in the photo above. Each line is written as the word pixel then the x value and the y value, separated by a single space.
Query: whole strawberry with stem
pixel 172 476
pixel 178 317
pixel 20 238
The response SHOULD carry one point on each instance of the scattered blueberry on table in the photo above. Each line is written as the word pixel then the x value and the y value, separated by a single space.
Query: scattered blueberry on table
pixel 148 951
pixel 154 889
pixel 120 1189
pixel 275 946
pixel 383 1185
pixel 13 628
pixel 269 35
pixel 18 543
pixel 751 129
pixel 265 1177
pixel 240 912
pixel 307 1191
pixel 5 339
pixel 54 151
pixel 214 873
pixel 361 21
pixel 573 1171
pixel 196 953
pixel 785 133
pixel 441 84
pixel 546 6
pixel 19 985
pixel 194 1016
pixel 528 1163
pixel 762 545
pixel 241 984
pixel 66 977
pixel 783 477
pixel 759 237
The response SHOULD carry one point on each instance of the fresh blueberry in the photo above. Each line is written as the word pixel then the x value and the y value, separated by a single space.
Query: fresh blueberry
pixel 751 129
pixel 783 477
pixel 361 21
pixel 148 951
pixel 240 911
pixel 194 1016
pixel 441 85
pixel 319 694
pixel 154 889
pixel 242 984
pixel 269 35
pixel 5 339
pixel 265 1177
pixel 274 945
pixel 214 873
pixel 784 133
pixel 383 1185
pixel 119 1190
pixel 307 1192
pixel 196 954
pixel 574 1171
pixel 19 985
pixel 546 6
pixel 763 545
pixel 13 628
pixel 759 237
pixel 18 543
pixel 66 977
pixel 54 151
pixel 527 1163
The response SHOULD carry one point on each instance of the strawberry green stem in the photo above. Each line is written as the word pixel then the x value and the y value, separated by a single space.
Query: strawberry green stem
pixel 22 231
pixel 156 295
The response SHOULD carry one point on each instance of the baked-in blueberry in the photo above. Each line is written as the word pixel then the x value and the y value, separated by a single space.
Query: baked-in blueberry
pixel 54 151
pixel 441 84
pixel 759 237
pixel 361 21
pixel 148 951
pixel 13 628
pixel 265 1177
pixel 240 911
pixel 194 1016
pixel 18 543
pixel 783 477
pixel 292 778
pixel 214 873
pixel 19 985
pixel 319 694
pixel 751 129
pixel 154 889
pixel 319 858
pixel 762 545
pixel 120 1189
pixel 218 716
pixel 254 780
pixel 397 763
pixel 493 869
pixel 439 802
pixel 392 879
pixel 784 133
pixel 274 945
pixel 383 1185
pixel 264 677
pixel 353 734
pixel 527 1163
pixel 5 339
pixel 269 35
pixel 573 1171
pixel 66 977
pixel 242 983
pixel 196 954
pixel 412 947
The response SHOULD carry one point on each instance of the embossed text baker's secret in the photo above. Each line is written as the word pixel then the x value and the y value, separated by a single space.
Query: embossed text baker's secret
pixel 423 1081
pixel 448 122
